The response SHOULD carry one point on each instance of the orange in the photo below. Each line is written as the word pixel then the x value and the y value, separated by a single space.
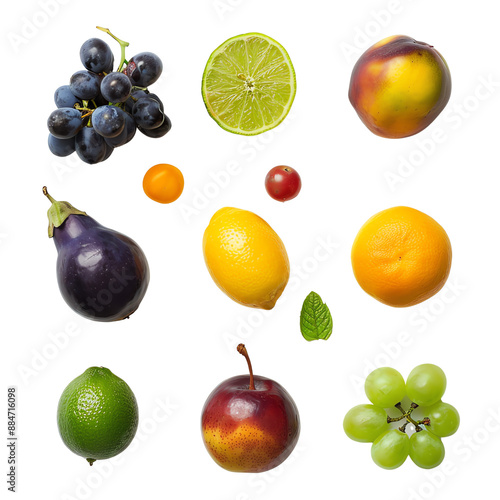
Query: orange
pixel 401 257
pixel 163 183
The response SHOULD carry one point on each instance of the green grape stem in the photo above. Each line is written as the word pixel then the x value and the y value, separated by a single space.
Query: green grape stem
pixel 122 47
pixel 400 408
pixel 403 427
pixel 394 419
pixel 414 422
pixel 407 415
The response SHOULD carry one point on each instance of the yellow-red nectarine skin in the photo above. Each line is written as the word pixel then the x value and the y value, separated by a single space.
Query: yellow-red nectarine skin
pixel 399 86
pixel 250 430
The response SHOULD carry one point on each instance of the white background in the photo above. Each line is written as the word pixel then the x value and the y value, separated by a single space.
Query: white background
pixel 181 342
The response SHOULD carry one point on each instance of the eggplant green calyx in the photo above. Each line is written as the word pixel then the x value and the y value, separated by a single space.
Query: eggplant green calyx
pixel 58 212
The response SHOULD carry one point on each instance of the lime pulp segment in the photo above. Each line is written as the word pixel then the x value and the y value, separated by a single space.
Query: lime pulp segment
pixel 249 84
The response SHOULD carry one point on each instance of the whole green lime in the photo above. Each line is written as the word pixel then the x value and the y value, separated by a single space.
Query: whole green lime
pixel 97 415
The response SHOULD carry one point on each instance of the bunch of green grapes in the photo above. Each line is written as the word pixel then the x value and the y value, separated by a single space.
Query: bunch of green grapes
pixel 385 388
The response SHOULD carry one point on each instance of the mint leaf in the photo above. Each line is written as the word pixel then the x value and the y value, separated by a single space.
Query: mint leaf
pixel 315 318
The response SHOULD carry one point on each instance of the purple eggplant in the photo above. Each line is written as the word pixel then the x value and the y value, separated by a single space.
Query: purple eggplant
pixel 103 275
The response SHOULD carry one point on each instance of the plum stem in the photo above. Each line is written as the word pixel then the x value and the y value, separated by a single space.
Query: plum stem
pixel 243 351
pixel 46 193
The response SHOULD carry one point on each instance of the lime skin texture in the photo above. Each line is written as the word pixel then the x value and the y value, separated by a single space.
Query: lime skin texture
pixel 97 415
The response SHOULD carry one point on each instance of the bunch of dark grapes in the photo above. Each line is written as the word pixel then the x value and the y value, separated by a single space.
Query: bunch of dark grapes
pixel 101 109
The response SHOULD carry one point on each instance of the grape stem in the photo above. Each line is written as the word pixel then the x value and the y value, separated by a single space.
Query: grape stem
pixel 122 47
pixel 88 111
pixel 403 427
pixel 83 108
pixel 407 415
pixel 394 419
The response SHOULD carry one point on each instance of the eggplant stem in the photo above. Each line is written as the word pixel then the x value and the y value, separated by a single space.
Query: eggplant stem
pixel 46 193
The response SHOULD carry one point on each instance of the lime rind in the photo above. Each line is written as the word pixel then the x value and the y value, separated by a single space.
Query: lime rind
pixel 249 84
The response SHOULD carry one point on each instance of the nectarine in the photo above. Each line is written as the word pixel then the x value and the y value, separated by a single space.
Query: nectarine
pixel 399 86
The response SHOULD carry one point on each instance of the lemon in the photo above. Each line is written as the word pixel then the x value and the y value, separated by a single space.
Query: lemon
pixel 97 415
pixel 246 258
pixel 249 84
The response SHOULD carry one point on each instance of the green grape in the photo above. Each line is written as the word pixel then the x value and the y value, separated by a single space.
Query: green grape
pixel 426 384
pixel 444 419
pixel 364 423
pixel 426 449
pixel 390 450
pixel 385 387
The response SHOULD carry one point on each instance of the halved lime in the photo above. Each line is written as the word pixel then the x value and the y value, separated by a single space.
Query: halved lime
pixel 249 84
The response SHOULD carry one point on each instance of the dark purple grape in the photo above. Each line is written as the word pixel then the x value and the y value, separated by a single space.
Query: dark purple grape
pixel 147 113
pixel 64 123
pixel 90 146
pixel 116 87
pixel 61 147
pixel 85 84
pixel 127 134
pixel 109 151
pixel 100 101
pixel 64 98
pixel 96 56
pixel 109 68
pixel 156 98
pixel 134 97
pixel 160 131
pixel 144 69
pixel 108 121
